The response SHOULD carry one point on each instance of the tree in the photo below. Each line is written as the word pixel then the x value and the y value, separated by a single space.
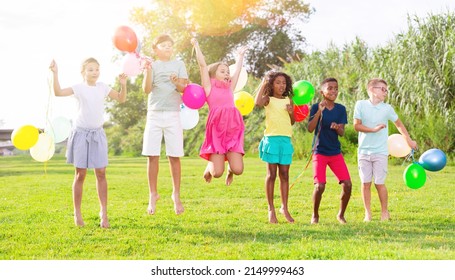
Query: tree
pixel 272 29
pixel 127 120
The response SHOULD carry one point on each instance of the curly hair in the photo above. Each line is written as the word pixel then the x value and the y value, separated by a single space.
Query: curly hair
pixel 271 77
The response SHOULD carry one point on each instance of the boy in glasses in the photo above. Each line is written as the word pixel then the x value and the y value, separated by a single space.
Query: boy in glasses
pixel 371 118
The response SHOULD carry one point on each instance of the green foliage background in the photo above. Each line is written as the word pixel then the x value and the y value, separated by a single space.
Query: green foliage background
pixel 419 66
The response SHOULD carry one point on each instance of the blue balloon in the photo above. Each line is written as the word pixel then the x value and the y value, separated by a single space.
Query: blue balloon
pixel 433 160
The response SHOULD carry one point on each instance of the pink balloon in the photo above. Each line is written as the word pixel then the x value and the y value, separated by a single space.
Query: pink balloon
pixel 131 64
pixel 193 96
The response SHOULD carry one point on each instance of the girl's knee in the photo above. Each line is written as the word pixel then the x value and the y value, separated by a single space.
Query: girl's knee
pixel 217 173
pixel 236 170
pixel 80 174
pixel 271 176
pixel 284 176
pixel 100 173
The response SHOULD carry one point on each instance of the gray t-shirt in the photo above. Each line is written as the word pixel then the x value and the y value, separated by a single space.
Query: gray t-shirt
pixel 164 95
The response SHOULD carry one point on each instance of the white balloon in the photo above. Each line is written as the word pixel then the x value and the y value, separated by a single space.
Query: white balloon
pixel 131 64
pixel 243 78
pixel 188 117
pixel 44 149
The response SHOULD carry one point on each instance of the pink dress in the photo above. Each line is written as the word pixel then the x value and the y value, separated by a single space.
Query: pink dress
pixel 224 128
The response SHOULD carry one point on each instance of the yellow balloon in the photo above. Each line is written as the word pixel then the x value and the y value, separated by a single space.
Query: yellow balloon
pixel 398 147
pixel 24 137
pixel 244 102
pixel 44 148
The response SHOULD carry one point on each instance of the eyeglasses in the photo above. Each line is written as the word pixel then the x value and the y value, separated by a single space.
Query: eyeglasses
pixel 383 89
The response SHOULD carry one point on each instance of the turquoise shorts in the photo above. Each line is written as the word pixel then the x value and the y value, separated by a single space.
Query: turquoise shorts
pixel 276 150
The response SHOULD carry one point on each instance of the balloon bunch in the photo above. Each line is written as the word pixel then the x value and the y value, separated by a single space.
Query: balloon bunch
pixel 303 94
pixel 414 175
pixel 125 40
pixel 41 143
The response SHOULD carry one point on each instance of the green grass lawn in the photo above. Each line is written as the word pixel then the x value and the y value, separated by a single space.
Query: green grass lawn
pixel 219 223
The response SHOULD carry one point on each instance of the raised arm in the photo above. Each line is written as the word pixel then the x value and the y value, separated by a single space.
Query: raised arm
pixel 205 78
pixel 262 99
pixel 120 96
pixel 238 67
pixel 314 121
pixel 58 91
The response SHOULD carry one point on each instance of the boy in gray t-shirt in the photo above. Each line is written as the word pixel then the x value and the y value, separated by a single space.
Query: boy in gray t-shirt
pixel 164 79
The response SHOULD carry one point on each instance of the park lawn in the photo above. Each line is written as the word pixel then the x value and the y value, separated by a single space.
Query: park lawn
pixel 219 223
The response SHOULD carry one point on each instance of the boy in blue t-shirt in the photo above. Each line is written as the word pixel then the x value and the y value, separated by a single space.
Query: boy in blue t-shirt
pixel 327 120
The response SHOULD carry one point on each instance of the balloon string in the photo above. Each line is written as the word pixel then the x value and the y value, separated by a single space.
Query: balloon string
pixel 314 144
pixel 48 108
pixel 409 157
pixel 47 122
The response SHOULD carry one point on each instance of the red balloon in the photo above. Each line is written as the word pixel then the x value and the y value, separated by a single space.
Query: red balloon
pixel 301 112
pixel 125 39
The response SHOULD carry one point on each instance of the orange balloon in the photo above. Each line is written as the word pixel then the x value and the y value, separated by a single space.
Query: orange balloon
pixel 125 39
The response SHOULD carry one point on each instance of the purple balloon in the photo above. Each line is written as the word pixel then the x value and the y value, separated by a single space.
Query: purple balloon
pixel 193 96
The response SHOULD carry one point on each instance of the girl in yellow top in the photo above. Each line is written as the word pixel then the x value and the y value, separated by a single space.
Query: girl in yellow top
pixel 275 95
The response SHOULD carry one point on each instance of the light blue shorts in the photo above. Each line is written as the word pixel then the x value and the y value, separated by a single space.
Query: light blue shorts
pixel 276 150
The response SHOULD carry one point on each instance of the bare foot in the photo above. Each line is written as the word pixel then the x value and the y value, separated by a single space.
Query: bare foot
pixel 178 207
pixel 104 222
pixel 152 203
pixel 78 220
pixel 207 176
pixel 341 219
pixel 314 220
pixel 385 216
pixel 367 217
pixel 272 217
pixel 229 178
pixel 287 215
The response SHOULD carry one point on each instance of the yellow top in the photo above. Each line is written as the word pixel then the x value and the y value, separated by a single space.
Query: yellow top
pixel 277 119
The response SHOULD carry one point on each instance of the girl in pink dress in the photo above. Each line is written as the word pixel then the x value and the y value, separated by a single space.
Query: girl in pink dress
pixel 224 128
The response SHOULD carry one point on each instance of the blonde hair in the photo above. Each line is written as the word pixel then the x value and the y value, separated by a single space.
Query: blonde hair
pixel 86 62
pixel 214 66
pixel 375 81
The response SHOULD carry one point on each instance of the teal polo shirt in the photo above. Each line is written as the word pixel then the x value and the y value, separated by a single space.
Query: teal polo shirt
pixel 371 116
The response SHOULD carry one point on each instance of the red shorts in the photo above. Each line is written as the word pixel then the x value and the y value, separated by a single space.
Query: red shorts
pixel 336 164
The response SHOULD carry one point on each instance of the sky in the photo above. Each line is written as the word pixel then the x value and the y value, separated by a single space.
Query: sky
pixel 35 32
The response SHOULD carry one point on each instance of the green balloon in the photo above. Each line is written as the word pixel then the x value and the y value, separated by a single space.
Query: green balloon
pixel 303 92
pixel 414 176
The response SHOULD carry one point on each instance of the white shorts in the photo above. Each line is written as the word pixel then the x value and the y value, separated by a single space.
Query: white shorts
pixel 372 166
pixel 161 123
